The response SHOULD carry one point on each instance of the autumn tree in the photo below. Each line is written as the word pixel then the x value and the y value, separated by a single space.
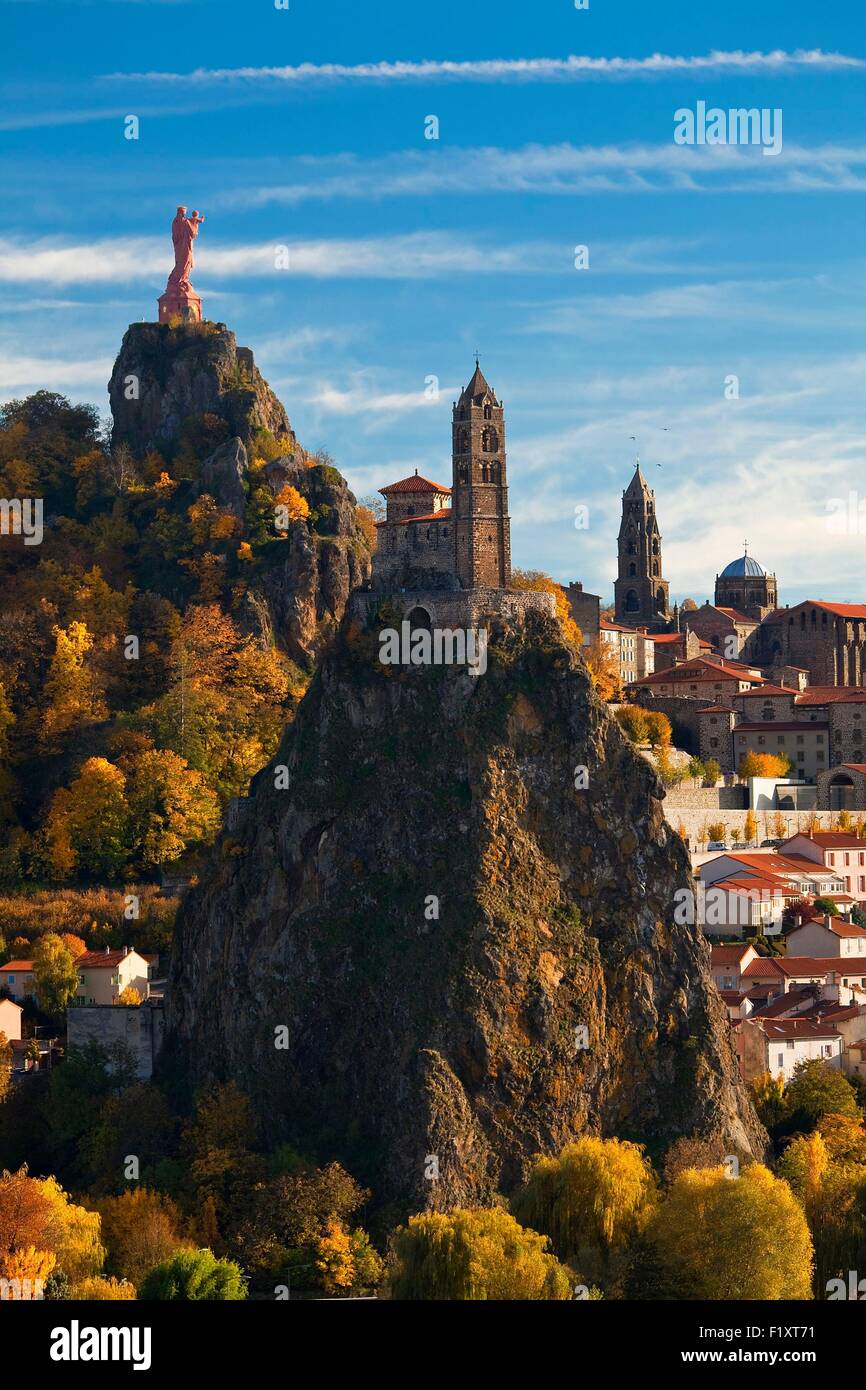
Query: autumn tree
pixel 97 1289
pixel 592 1200
pixel 708 1219
pixel 472 1255
pixel 633 722
pixel 542 583
pixel 602 663
pixel 37 1215
pixel 136 1119
pixel 140 1230
pixel 170 807
pixel 72 695
pixel 90 818
pixel 658 729
pixel 54 974
pixel 763 765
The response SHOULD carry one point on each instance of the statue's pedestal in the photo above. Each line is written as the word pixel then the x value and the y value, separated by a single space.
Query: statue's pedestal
pixel 177 304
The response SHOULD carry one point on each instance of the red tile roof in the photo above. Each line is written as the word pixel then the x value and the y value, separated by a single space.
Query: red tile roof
pixel 415 483
pixel 800 966
pixel 728 955
pixel 800 1028
pixel 442 515
pixel 736 615
pixel 767 690
pixel 830 839
pixel 830 694
pixel 107 960
pixel 16 965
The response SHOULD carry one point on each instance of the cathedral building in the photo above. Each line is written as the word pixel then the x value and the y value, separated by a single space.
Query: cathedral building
pixel 641 594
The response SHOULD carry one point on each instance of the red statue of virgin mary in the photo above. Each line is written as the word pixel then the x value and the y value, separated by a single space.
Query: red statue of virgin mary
pixel 180 299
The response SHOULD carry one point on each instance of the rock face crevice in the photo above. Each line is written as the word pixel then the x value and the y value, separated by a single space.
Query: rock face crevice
pixel 439 920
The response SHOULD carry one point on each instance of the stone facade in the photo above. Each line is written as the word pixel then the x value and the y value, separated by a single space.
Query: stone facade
pixel 585 608
pixel 444 554
pixel 482 535
pixel 640 592
pixel 827 639
pixel 745 587
pixel 441 608
pixel 140 1029
pixel 843 787
pixel 725 628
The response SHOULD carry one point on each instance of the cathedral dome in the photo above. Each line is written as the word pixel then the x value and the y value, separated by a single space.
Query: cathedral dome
pixel 745 567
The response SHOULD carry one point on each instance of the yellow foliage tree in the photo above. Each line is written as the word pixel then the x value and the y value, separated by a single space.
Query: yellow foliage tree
pixel 129 997
pixel 593 1200
pixel 23 1268
pixel 72 694
pixel 474 1255
pixel 602 663
pixel 294 506
pixel 334 1258
pixel 700 1233
pixel 543 583
pixel 103 1290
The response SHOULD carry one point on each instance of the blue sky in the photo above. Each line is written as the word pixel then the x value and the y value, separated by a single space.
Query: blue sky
pixel 305 128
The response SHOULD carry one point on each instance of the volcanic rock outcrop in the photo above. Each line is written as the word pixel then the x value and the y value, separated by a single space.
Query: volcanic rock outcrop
pixel 174 387
pixel 165 376
pixel 426 939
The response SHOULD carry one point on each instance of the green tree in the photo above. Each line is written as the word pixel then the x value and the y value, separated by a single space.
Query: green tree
pixel 474 1255
pixel 816 1090
pixel 54 974
pixel 194 1274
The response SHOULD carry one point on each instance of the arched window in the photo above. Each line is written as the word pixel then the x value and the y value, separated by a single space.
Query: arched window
pixel 489 440
pixel 632 570
pixel 660 601
pixel 488 412
pixel 463 473
pixel 632 602
pixel 462 440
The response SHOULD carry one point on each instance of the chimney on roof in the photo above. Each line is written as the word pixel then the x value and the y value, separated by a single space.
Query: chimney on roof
pixel 126 950
pixel 107 949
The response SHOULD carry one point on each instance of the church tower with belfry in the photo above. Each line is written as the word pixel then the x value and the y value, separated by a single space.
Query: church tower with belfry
pixel 479 490
pixel 641 593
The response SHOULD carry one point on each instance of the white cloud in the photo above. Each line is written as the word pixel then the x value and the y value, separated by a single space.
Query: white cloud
pixel 562 169
pixel 53 373
pixel 570 69
pixel 416 255
pixel 361 400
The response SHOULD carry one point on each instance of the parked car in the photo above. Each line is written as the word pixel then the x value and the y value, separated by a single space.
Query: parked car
pixel 771 844
pixel 716 844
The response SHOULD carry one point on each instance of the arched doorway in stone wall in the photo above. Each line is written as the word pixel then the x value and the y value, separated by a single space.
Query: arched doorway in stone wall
pixel 841 792
pixel 419 617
